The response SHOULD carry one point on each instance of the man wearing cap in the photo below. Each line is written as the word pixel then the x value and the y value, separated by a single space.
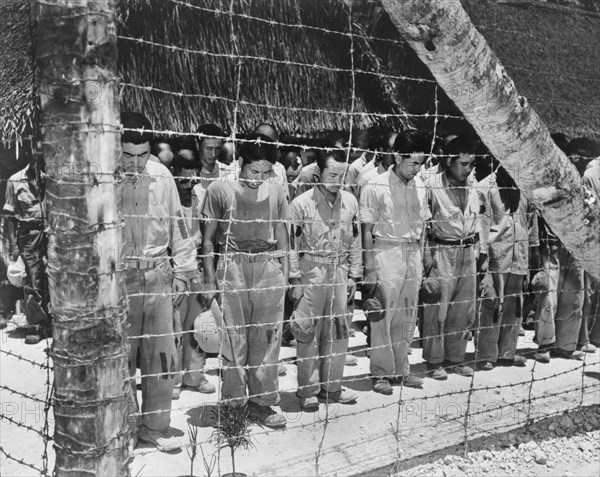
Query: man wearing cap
pixel 457 225
pixel 325 266
pixel 154 232
pixel 393 211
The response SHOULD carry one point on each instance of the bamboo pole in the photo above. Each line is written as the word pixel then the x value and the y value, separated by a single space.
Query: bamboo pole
pixel 76 60
pixel 445 39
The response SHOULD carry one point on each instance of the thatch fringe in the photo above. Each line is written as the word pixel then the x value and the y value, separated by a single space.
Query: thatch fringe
pixel 280 86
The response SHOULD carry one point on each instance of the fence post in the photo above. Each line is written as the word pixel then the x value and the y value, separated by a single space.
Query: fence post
pixel 76 60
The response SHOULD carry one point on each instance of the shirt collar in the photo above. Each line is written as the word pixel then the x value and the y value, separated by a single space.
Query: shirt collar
pixel 394 179
pixel 320 198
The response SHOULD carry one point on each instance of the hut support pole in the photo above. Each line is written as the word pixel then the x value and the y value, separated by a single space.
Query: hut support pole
pixel 76 59
pixel 463 64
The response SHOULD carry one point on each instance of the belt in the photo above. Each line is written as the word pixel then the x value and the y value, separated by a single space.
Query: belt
pixel 464 242
pixel 257 257
pixel 29 225
pixel 143 263
pixel 396 240
pixel 320 259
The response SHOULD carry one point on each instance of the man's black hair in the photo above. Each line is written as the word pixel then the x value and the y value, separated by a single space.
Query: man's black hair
pixel 290 159
pixel 334 138
pixel 185 159
pixel 209 130
pixel 410 142
pixel 253 151
pixel 161 140
pixel 271 131
pixel 461 145
pixel 133 120
pixel 323 156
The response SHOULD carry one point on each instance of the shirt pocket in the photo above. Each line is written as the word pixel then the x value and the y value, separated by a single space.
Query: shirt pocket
pixel 158 223
pixel 315 234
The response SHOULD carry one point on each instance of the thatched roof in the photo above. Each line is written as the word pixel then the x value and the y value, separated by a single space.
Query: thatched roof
pixel 303 71
pixel 551 53
pixel 16 69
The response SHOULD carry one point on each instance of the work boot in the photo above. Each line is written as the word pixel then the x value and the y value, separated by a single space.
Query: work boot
pixel 516 361
pixel 310 403
pixel 164 441
pixel 561 353
pixel 485 365
pixel 462 370
pixel 343 396
pixel 204 387
pixel 382 386
pixel 410 381
pixel 437 371
pixel 39 333
pixel 350 360
pixel 542 356
pixel 266 416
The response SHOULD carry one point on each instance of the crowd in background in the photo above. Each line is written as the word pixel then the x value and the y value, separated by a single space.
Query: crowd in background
pixel 237 247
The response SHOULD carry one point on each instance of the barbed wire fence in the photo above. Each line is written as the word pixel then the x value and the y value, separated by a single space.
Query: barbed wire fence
pixel 399 417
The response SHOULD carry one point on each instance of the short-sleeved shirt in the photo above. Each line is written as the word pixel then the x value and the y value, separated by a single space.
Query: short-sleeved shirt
pixel 396 210
pixel 327 230
pixel 22 198
pixel 245 224
pixel 449 221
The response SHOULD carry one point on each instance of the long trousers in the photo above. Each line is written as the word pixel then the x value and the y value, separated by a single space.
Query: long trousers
pixel 32 248
pixel 446 324
pixel 321 361
pixel 150 313
pixel 399 270
pixel 559 311
pixel 253 298
pixel 498 332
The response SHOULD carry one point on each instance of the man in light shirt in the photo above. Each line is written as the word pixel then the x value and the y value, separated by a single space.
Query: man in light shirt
pixel 393 213
pixel 458 239
pixel 155 233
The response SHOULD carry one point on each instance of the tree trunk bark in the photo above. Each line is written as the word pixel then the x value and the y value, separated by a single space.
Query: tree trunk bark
pixel 463 64
pixel 76 55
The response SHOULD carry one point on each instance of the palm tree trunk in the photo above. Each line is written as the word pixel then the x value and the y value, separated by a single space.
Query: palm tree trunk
pixel 76 59
pixel 463 64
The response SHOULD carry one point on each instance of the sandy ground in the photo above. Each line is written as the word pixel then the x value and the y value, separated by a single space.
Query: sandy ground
pixel 338 439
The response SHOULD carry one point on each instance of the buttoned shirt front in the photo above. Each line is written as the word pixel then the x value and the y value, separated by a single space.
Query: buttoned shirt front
pixel 396 210
pixel 451 222
pixel 154 221
pixel 325 230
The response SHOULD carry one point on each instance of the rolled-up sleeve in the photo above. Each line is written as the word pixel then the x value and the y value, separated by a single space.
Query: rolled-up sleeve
pixel 369 206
